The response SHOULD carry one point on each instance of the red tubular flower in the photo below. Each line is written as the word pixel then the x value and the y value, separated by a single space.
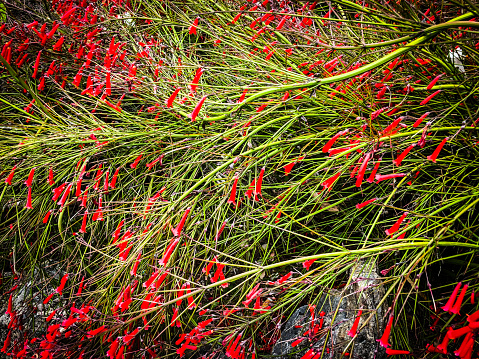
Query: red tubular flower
pixel 77 79
pixel 116 234
pixel 250 190
pixel 420 119
pixel 61 202
pixel 105 185
pixel 457 305
pixel 282 279
pixel 233 192
pixel 380 178
pixel 78 188
pixel 297 342
pixel 433 157
pixel 113 348
pixel 448 306
pixel 8 180
pixel 136 161
pixel 155 161
pixel 364 204
pixel 47 299
pixel 96 331
pixel 243 95
pixel 168 252
pixel 29 181
pixel 474 317
pixel 113 179
pixel 47 216
pixel 309 354
pixel 373 173
pixel 330 181
pixel 66 16
pixel 197 109
pixel 169 102
pixel 282 22
pixel 7 341
pixel 194 83
pixel 37 63
pixel 445 342
pixel 399 159
pixel 465 345
pixel 83 223
pixel 177 231
pixel 135 266
pixel 80 287
pixel 384 339
pixel 390 351
pixel 63 281
pixel 392 126
pixel 175 315
pixel 9 307
pixel 50 316
pixel 467 351
pixel 29 199
pixel 433 82
pixel 427 99
pixel 124 253
pixel 354 329
pixel 396 225
pixel 85 197
pixel 454 334
pixel 221 230
pixel 58 44
pixel 113 106
pixel 361 171
pixel 192 28
pixel 308 263
pixel 328 144
pixel 259 182
pixel 98 215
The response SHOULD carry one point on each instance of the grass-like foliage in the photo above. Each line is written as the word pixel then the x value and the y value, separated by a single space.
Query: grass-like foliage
pixel 214 165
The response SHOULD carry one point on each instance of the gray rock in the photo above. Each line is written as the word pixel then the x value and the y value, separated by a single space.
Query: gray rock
pixel 27 302
pixel 337 311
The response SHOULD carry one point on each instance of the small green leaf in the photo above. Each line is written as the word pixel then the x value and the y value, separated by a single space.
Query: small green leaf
pixel 3 13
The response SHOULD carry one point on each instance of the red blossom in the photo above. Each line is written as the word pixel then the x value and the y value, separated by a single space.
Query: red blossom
pixel 450 302
pixel 29 199
pixel 384 339
pixel 373 173
pixel 395 226
pixel 197 109
pixel 399 159
pixel 29 180
pixel 354 328
pixel 427 99
pixel 420 119
pixel 457 304
pixel 9 178
pixel 83 223
pixel 364 204
pixel 390 351
pixel 433 157
pixel 330 181
pixel 259 182
pixel 177 231
pixel 63 281
pixel 192 28
pixel 380 178
pixel 233 192
pixel 328 144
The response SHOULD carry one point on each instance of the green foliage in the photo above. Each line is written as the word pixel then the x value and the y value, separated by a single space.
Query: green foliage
pixel 350 56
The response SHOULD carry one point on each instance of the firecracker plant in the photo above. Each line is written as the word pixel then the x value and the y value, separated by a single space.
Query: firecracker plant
pixel 195 171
